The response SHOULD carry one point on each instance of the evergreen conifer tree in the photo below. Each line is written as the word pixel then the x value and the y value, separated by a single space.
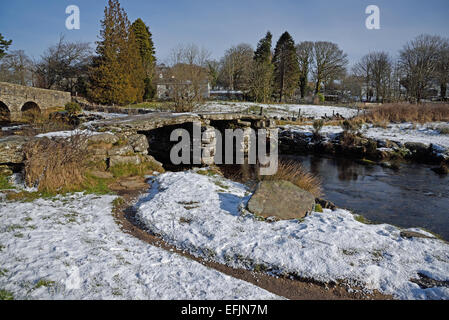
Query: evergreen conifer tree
pixel 262 70
pixel 147 52
pixel 286 68
pixel 117 75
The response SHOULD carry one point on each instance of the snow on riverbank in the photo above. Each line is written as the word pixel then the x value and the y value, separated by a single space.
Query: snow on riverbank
pixel 204 216
pixel 403 132
pixel 279 110
pixel 71 248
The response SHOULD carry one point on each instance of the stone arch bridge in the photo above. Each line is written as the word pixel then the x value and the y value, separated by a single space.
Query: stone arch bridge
pixel 16 100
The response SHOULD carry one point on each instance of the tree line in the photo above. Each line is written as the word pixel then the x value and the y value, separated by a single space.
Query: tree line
pixel 121 71
pixel 292 71
pixel 123 68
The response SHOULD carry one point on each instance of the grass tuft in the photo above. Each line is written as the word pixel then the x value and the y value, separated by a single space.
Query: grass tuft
pixel 295 173
pixel 6 295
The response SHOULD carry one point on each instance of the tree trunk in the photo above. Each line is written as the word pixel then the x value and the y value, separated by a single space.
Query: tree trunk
pixel 443 88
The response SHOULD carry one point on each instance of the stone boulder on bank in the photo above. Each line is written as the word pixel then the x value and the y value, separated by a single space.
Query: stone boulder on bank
pixel 282 200
pixel 11 149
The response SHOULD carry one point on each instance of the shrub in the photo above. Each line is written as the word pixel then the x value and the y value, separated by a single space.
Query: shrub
pixel 318 125
pixel 73 108
pixel 351 125
pixel 321 97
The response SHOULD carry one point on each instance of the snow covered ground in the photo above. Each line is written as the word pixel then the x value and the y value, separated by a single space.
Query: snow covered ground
pixel 279 110
pixel 206 216
pixel 71 248
pixel 404 132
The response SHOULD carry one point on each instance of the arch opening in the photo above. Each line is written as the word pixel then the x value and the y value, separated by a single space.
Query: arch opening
pixel 30 111
pixel 5 114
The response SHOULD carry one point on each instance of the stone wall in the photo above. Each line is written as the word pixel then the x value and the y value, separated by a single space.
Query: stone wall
pixel 15 96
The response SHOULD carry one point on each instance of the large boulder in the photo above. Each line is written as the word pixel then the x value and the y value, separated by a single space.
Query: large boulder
pixel 282 200
pixel 11 149
pixel 123 160
pixel 107 138
pixel 123 150
pixel 139 142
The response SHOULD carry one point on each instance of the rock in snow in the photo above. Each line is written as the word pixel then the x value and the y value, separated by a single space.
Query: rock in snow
pixel 281 200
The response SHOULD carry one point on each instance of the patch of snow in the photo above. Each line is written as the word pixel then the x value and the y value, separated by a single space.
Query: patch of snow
pixel 105 115
pixel 279 110
pixel 404 132
pixel 206 216
pixel 18 181
pixel 71 248
pixel 407 132
pixel 67 134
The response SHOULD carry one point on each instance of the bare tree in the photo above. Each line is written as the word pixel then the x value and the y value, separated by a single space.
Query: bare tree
pixel 63 64
pixel 236 67
pixel 362 70
pixel 187 77
pixel 419 62
pixel 329 63
pixel 304 50
pixel 352 88
pixel 442 72
pixel 16 67
pixel 378 67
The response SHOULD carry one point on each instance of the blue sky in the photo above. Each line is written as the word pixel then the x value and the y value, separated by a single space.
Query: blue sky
pixel 216 25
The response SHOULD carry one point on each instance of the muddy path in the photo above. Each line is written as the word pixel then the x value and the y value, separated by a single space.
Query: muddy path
pixel 294 289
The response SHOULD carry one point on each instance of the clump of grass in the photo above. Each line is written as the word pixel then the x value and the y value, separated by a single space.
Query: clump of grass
pixel 4 183
pixel 443 130
pixel 317 126
pixel 318 208
pixel 6 295
pixel 94 185
pixel 129 169
pixel 404 112
pixel 362 219
pixel 351 126
pixel 295 173
pixel 118 202
pixel 44 283
pixel 56 165
pixel 27 196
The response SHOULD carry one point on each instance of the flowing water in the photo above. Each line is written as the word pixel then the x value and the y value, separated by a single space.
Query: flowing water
pixel 413 196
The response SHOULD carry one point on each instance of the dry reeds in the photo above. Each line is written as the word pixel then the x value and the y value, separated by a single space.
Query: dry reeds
pixel 404 112
pixel 295 173
pixel 56 165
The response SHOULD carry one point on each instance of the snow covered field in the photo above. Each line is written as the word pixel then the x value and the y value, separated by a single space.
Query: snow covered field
pixel 404 132
pixel 206 216
pixel 71 248
pixel 279 110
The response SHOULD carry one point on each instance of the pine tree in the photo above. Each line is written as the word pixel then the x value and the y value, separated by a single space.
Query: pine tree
pixel 147 53
pixel 4 44
pixel 263 51
pixel 117 75
pixel 286 68
pixel 262 70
